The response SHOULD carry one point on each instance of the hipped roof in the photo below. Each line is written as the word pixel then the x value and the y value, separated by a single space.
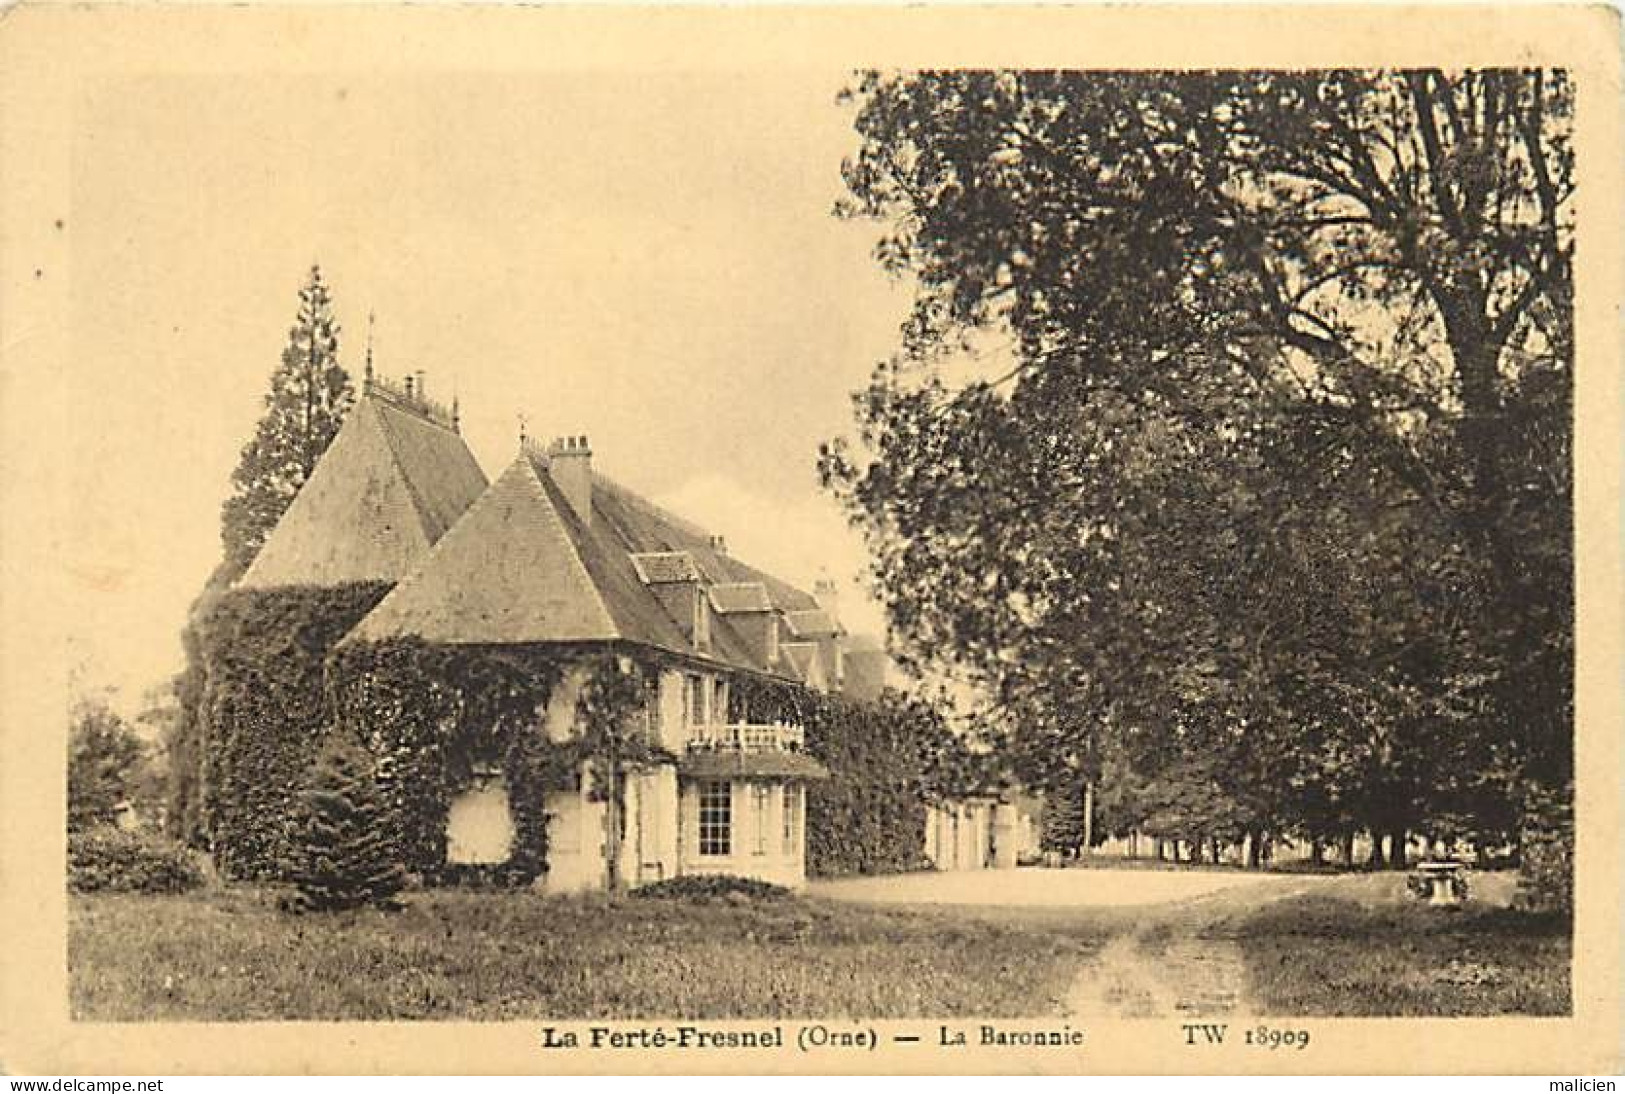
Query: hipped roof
pixel 387 488
pixel 522 567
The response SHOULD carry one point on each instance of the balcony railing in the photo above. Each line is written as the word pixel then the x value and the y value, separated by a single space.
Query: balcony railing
pixel 772 737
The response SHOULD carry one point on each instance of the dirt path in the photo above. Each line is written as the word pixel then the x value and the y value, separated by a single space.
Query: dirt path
pixel 1172 962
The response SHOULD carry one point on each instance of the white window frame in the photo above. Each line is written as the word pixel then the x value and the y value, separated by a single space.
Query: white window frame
pixel 696 697
pixel 714 835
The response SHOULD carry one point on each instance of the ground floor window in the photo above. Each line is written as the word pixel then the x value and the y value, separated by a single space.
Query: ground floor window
pixel 716 818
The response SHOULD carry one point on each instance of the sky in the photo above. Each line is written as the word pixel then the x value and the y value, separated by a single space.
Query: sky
pixel 648 259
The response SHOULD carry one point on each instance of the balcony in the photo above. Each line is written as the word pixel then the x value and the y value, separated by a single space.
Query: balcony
pixel 745 738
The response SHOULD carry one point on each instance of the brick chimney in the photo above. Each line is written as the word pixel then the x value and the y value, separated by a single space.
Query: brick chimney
pixel 569 464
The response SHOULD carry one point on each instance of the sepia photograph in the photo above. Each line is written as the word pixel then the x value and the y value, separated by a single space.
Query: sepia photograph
pixel 679 555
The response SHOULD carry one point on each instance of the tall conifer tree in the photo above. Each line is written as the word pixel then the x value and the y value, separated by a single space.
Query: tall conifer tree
pixel 308 398
pixel 304 407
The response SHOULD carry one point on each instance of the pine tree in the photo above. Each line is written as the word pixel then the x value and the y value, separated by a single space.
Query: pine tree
pixel 348 855
pixel 1063 819
pixel 309 396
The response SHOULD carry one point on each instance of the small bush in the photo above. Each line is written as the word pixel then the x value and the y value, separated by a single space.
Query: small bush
pixel 715 885
pixel 102 859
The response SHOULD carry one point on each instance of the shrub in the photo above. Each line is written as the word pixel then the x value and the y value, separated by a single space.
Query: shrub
pixel 348 859
pixel 103 756
pixel 709 886
pixel 110 859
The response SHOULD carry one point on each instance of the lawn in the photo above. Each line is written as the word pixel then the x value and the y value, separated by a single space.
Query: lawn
pixel 228 954
pixel 1359 949
pixel 1348 946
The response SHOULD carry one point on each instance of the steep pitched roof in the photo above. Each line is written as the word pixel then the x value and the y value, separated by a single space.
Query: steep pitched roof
pixel 644 527
pixel 521 566
pixel 444 476
pixel 385 490
pixel 507 572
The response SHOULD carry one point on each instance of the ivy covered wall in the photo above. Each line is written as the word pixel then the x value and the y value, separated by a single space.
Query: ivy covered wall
pixel 888 760
pixel 265 711
pixel 277 685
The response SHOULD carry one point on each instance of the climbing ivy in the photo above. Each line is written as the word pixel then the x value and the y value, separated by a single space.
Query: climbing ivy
pixel 264 711
pixel 431 714
pixel 888 760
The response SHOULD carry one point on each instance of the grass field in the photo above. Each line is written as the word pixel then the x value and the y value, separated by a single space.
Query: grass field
pixel 229 955
pixel 1351 946
pixel 1359 950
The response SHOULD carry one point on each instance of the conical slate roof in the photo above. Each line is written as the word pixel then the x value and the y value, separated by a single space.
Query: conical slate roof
pixel 387 488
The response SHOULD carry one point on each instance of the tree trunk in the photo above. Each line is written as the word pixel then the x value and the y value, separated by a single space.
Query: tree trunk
pixel 1348 850
pixel 612 837
pixel 1317 852
pixel 1088 815
pixel 1375 861
pixel 1252 849
pixel 1396 849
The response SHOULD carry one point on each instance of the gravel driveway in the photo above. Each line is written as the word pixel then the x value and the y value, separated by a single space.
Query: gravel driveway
pixel 1036 887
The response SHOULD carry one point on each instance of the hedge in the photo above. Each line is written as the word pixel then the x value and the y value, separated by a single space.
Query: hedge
pixel 113 860
pixel 711 887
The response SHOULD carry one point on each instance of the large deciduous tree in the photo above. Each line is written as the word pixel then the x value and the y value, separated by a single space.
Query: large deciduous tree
pixel 1279 470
